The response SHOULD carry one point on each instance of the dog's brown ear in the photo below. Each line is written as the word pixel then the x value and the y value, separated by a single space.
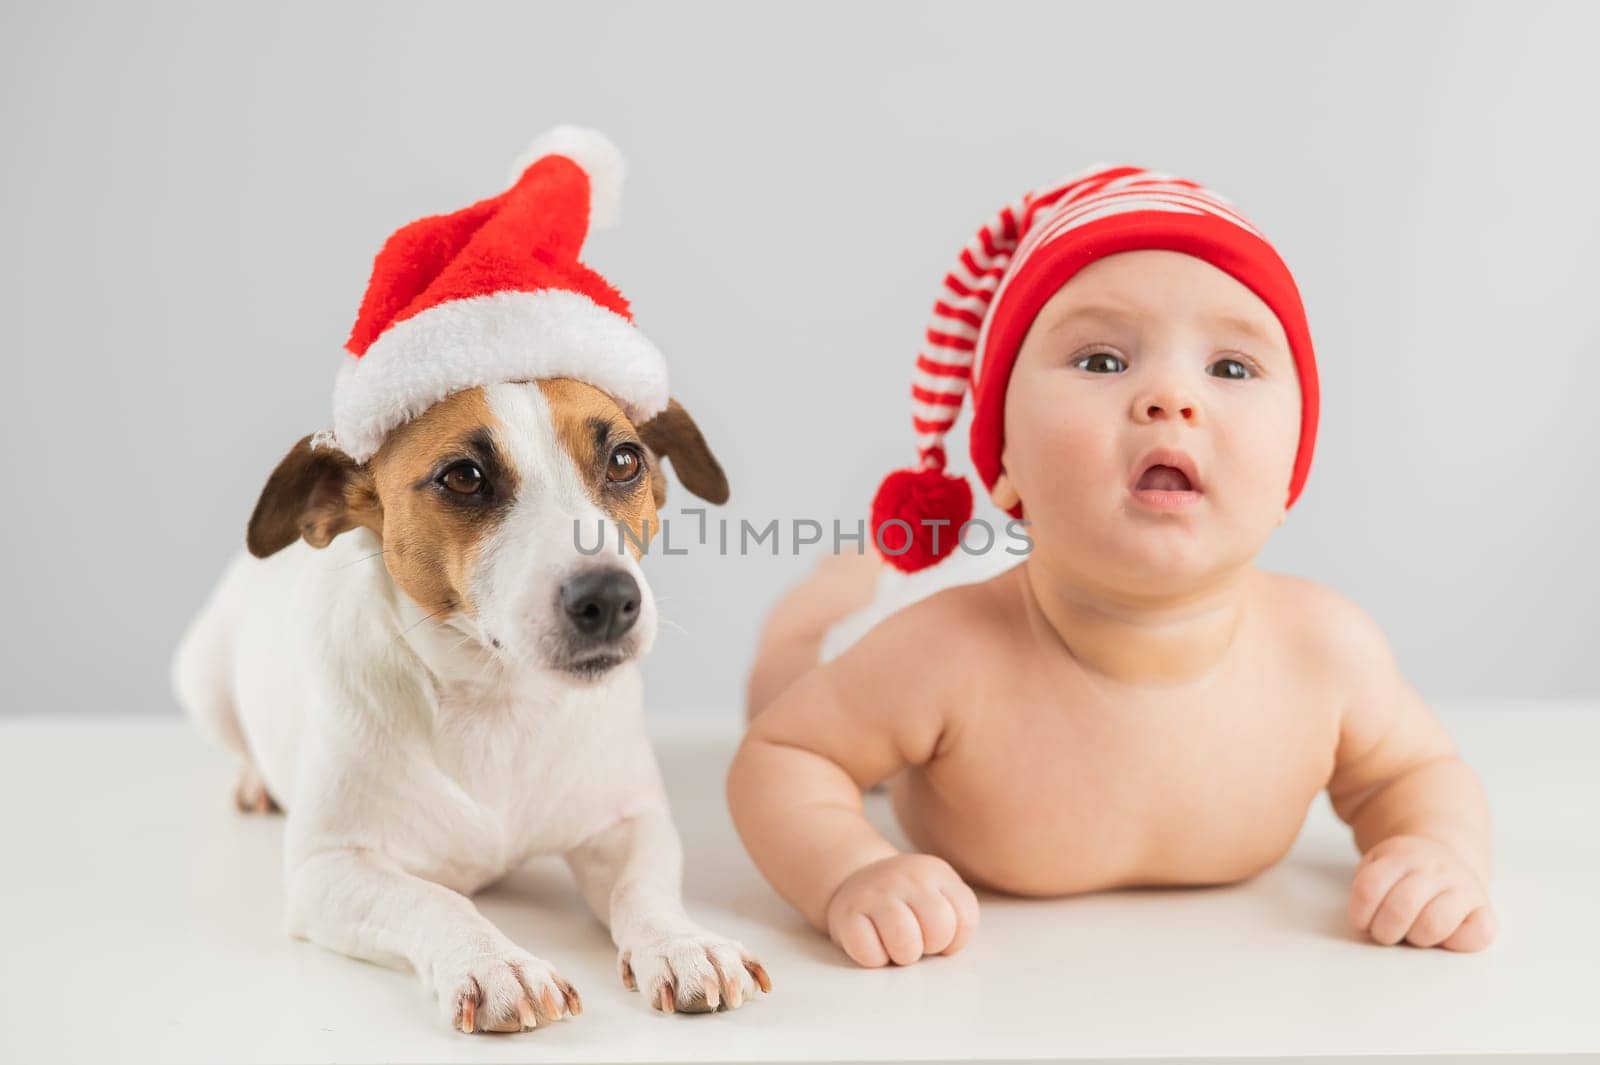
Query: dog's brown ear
pixel 673 434
pixel 316 493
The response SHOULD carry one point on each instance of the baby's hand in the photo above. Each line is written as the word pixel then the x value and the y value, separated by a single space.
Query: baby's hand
pixel 901 908
pixel 1419 890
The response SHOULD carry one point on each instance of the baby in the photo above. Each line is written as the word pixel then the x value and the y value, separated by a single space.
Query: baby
pixel 1134 703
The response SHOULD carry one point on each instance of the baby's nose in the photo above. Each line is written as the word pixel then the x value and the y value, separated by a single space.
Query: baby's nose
pixel 1164 403
pixel 1157 410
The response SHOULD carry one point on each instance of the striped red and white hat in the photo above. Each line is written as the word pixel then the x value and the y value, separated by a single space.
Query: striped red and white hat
pixel 495 292
pixel 1005 274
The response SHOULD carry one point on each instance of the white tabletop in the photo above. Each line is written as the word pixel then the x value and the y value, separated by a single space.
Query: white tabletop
pixel 140 915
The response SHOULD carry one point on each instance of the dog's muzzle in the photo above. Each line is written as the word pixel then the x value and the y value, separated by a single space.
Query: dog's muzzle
pixel 600 607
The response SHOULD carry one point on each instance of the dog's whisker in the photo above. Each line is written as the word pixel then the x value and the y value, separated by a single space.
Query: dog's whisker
pixel 363 558
pixel 420 620
pixel 463 641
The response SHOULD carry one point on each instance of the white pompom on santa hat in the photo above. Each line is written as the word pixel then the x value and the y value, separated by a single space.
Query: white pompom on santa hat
pixel 495 292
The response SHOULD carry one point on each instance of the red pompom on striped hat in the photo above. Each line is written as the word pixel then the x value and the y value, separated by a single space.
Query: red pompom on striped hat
pixel 1002 278
pixel 495 292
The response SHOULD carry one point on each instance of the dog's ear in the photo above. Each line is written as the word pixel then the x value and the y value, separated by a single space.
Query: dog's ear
pixel 317 492
pixel 673 434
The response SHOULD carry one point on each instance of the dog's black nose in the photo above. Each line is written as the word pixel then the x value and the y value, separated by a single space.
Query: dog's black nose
pixel 601 603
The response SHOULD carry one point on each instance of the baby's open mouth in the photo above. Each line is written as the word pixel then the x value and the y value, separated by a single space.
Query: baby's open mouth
pixel 1160 478
pixel 1169 479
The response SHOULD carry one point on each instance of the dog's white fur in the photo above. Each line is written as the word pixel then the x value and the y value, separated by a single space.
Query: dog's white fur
pixel 418 762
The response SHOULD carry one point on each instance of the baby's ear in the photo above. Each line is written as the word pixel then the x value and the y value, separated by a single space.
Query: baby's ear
pixel 316 493
pixel 1003 494
pixel 673 434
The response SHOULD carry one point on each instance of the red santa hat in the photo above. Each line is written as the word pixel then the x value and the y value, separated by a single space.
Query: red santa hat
pixel 1005 275
pixel 495 292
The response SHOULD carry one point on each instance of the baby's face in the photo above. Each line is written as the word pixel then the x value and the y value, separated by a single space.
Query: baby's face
pixel 1139 351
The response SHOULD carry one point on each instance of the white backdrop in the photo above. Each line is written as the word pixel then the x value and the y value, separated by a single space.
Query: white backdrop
pixel 193 196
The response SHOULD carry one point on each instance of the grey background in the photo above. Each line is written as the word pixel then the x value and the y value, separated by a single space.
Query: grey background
pixel 193 196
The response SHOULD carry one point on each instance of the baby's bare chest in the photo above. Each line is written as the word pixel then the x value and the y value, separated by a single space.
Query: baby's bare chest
pixel 1057 787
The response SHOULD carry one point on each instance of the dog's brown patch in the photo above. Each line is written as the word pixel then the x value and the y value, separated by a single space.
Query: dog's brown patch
pixel 590 427
pixel 431 536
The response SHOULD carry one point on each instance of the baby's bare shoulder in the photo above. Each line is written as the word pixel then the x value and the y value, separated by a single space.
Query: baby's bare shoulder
pixel 934 642
pixel 984 606
pixel 1324 627
pixel 892 697
pixel 1384 724
pixel 1346 654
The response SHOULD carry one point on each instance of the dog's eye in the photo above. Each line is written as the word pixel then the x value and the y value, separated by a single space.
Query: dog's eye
pixel 464 478
pixel 624 465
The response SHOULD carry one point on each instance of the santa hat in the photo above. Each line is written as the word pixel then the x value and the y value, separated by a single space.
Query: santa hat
pixel 1005 275
pixel 494 293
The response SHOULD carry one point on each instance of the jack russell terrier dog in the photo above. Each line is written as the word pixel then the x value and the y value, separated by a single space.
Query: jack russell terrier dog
pixel 420 666
pixel 423 663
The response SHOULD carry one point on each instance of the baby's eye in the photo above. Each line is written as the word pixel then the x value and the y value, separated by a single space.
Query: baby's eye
pixel 1101 362
pixel 1232 369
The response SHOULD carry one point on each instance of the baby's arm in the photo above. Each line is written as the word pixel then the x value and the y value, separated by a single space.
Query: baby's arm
pixel 1420 817
pixel 795 793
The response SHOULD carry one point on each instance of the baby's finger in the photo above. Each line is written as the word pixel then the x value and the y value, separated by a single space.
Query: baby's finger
pixel 1475 933
pixel 1373 881
pixel 858 937
pixel 1401 906
pixel 899 930
pixel 1440 917
pixel 937 917
pixel 965 904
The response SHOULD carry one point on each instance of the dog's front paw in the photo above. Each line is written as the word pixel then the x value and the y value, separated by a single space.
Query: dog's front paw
pixel 506 991
pixel 692 973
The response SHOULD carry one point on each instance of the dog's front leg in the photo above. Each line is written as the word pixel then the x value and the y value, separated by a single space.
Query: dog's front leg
pixel 631 875
pixel 360 903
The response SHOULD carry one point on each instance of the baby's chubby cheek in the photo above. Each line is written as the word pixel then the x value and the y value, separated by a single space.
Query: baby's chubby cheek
pixel 1064 466
pixel 1252 460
